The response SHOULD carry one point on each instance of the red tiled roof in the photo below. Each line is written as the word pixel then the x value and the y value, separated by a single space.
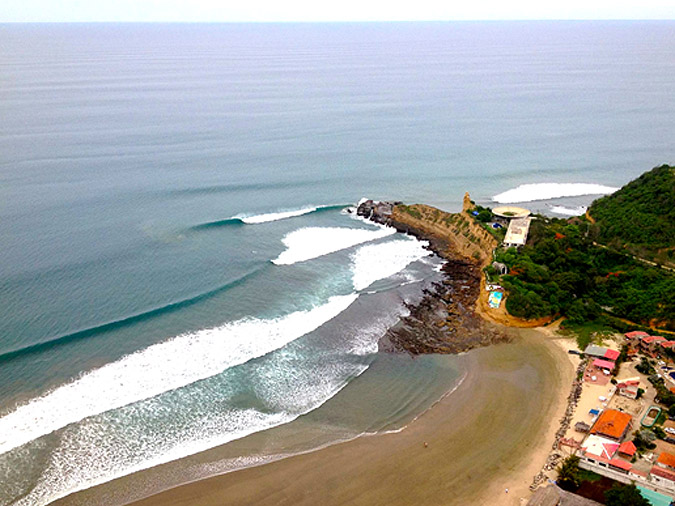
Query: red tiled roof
pixel 612 354
pixel 667 344
pixel 651 339
pixel 663 473
pixel 667 459
pixel 603 364
pixel 612 423
pixel 627 448
pixel 621 464
pixel 635 333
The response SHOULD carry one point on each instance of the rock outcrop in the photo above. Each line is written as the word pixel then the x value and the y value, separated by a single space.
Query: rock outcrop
pixel 445 320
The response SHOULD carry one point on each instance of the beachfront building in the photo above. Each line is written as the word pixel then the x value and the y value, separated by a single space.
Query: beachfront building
pixel 663 471
pixel 612 424
pixel 629 387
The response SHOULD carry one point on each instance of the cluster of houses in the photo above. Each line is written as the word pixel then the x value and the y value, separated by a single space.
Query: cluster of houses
pixel 649 345
pixel 608 451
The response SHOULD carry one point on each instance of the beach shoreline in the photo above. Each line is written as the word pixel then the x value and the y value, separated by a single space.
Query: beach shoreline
pixel 492 433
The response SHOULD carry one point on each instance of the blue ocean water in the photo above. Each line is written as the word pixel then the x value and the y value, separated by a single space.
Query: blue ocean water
pixel 177 269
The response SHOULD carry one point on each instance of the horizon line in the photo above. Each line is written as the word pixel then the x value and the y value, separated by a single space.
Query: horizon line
pixel 320 21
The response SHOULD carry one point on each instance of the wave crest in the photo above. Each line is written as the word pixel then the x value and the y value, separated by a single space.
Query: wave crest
pixel 548 191
pixel 313 242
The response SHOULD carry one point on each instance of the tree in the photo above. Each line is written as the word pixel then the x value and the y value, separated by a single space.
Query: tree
pixel 625 495
pixel 569 477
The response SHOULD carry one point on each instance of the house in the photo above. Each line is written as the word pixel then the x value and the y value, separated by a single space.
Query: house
pixel 516 234
pixel 628 387
pixel 633 338
pixel 663 472
pixel 627 449
pixel 611 355
pixel 612 424
pixel 595 351
pixel 603 364
pixel 666 345
pixel 650 344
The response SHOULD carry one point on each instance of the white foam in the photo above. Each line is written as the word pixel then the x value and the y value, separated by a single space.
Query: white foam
pixel 160 368
pixel 547 191
pixel 276 216
pixel 379 261
pixel 94 451
pixel 312 242
pixel 569 211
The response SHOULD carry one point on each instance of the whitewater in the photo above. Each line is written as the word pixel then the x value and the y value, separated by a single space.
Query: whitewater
pixel 160 368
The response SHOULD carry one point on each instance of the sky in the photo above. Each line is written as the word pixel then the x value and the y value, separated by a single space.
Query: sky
pixel 321 10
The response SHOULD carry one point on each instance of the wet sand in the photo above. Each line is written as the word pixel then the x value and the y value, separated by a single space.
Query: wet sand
pixel 494 432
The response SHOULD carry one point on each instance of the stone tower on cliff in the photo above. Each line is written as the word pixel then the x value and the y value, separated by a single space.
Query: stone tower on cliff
pixel 467 203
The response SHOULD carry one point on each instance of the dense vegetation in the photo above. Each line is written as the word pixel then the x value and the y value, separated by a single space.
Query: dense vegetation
pixel 561 272
pixel 640 217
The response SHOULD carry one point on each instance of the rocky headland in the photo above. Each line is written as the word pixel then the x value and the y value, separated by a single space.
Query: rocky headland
pixel 445 320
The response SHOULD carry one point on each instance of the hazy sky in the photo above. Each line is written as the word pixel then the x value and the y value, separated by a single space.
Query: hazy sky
pixel 335 10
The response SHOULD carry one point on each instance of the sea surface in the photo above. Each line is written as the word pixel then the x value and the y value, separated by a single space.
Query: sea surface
pixel 178 265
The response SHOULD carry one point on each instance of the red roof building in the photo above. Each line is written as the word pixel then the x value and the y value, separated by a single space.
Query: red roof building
pixel 635 333
pixel 652 339
pixel 612 424
pixel 621 464
pixel 612 355
pixel 666 460
pixel 627 448
pixel 667 344
pixel 603 364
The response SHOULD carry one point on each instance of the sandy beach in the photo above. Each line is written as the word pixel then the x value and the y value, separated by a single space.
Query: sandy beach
pixel 494 432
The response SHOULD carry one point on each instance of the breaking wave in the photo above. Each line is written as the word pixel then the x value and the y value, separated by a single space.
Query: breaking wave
pixel 569 211
pixel 379 261
pixel 547 191
pixel 312 242
pixel 256 219
pixel 161 368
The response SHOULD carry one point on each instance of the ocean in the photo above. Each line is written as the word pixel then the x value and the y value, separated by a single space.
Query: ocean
pixel 178 267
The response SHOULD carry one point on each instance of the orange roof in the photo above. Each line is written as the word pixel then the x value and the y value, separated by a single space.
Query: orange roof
pixel 667 344
pixel 621 464
pixel 612 423
pixel 667 459
pixel 627 448
pixel 651 339
pixel 636 333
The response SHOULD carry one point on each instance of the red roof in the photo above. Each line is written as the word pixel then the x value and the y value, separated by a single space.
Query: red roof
pixel 603 364
pixel 627 448
pixel 612 354
pixel 663 473
pixel 621 464
pixel 612 423
pixel 667 344
pixel 635 333
pixel 651 339
pixel 667 459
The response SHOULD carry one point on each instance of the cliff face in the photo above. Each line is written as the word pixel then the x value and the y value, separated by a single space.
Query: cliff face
pixel 453 234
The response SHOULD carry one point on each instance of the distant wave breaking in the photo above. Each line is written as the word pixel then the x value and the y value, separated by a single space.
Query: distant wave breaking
pixel 547 191
pixel 569 211
pixel 313 242
pixel 256 219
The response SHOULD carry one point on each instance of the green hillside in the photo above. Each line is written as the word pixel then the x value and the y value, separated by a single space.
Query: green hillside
pixel 640 217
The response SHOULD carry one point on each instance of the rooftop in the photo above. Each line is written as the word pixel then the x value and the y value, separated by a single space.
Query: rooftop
pixel 595 351
pixel 667 459
pixel 651 339
pixel 603 364
pixel 612 423
pixel 511 212
pixel 612 354
pixel 627 448
pixel 635 333
pixel 516 234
